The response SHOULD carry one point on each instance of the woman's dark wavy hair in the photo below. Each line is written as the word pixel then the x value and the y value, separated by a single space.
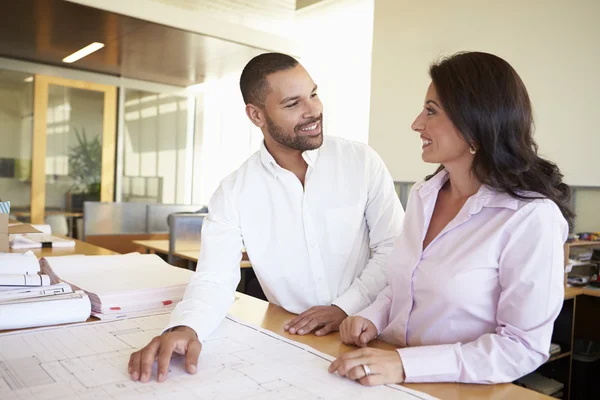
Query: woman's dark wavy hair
pixel 487 102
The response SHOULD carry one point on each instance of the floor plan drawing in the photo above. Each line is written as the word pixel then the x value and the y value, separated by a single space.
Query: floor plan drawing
pixel 239 361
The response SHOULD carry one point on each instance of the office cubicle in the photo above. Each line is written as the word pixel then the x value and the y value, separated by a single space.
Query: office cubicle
pixel 114 226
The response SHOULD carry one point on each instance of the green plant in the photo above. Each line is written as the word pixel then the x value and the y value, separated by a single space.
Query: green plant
pixel 85 163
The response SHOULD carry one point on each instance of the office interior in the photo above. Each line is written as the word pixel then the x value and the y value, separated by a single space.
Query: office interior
pixel 123 148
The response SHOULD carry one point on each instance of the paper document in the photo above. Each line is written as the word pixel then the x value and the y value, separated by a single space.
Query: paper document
pixel 121 284
pixel 237 362
pixel 24 280
pixel 19 263
pixel 35 291
pixel 29 312
pixel 38 240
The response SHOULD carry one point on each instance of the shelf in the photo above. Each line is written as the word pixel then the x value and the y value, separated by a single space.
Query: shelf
pixel 583 243
pixel 571 292
pixel 559 356
pixel 591 291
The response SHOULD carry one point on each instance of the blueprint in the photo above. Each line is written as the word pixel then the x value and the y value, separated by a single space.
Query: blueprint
pixel 239 361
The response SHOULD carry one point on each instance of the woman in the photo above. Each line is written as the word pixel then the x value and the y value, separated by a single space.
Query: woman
pixel 476 278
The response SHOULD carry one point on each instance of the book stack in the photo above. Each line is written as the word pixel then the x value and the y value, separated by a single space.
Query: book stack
pixel 129 285
pixel 39 240
pixel 27 299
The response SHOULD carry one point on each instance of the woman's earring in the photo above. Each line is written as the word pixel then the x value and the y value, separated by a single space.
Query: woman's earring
pixel 473 149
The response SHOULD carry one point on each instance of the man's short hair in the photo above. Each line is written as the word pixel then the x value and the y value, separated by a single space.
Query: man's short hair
pixel 253 82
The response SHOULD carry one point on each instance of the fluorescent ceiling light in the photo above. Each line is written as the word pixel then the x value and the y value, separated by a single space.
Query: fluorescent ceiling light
pixel 28 79
pixel 86 51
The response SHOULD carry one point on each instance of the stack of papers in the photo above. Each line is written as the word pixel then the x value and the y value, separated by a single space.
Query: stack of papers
pixel 28 300
pixel 19 263
pixel 38 240
pixel 121 285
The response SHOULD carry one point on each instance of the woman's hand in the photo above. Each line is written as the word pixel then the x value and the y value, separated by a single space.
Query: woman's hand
pixel 370 366
pixel 358 331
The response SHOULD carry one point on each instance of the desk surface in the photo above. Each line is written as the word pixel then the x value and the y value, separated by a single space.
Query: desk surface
pixel 162 246
pixel 192 255
pixel 48 212
pixel 273 318
pixel 185 249
pixel 80 248
pixel 571 292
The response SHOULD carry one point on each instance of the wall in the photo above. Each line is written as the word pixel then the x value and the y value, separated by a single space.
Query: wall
pixel 552 44
pixel 339 61
pixel 587 207
pixel 224 137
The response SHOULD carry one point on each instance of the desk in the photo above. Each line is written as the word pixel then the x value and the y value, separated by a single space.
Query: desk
pixel 273 318
pixel 162 246
pixel 80 248
pixel 192 256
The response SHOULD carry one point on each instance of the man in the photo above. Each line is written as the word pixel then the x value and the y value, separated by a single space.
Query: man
pixel 318 218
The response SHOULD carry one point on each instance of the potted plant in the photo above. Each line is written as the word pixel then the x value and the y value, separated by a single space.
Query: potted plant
pixel 85 165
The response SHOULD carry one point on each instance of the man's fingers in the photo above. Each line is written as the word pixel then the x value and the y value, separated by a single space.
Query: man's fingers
pixel 191 356
pixel 299 318
pixel 310 326
pixel 164 359
pixel 148 355
pixel 300 324
pixel 325 330
pixel 134 365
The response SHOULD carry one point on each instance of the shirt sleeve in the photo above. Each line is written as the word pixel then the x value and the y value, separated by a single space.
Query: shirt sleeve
pixel 379 312
pixel 384 216
pixel 531 268
pixel 210 292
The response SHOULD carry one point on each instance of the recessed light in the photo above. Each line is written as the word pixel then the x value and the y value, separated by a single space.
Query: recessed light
pixel 87 50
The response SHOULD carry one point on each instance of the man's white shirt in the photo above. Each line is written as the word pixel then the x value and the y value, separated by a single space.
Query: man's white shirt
pixel 322 244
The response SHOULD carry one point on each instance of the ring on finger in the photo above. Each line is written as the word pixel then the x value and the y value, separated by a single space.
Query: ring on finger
pixel 366 369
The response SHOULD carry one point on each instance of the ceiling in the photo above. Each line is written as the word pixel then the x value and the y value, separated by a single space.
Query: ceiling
pixel 46 31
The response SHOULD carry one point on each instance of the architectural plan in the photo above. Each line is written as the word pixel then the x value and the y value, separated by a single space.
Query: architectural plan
pixel 239 361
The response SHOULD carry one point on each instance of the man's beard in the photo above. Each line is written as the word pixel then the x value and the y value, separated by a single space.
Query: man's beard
pixel 293 140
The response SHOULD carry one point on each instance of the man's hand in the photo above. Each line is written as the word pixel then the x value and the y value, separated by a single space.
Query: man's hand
pixel 358 331
pixel 326 318
pixel 181 340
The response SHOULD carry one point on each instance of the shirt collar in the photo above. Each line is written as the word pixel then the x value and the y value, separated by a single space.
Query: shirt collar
pixel 310 156
pixel 485 196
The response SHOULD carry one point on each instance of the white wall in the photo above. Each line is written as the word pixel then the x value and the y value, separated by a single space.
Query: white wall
pixel 339 61
pixel 553 45
pixel 587 205
pixel 224 137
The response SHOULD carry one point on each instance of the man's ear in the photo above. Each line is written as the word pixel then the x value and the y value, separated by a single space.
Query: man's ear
pixel 256 115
